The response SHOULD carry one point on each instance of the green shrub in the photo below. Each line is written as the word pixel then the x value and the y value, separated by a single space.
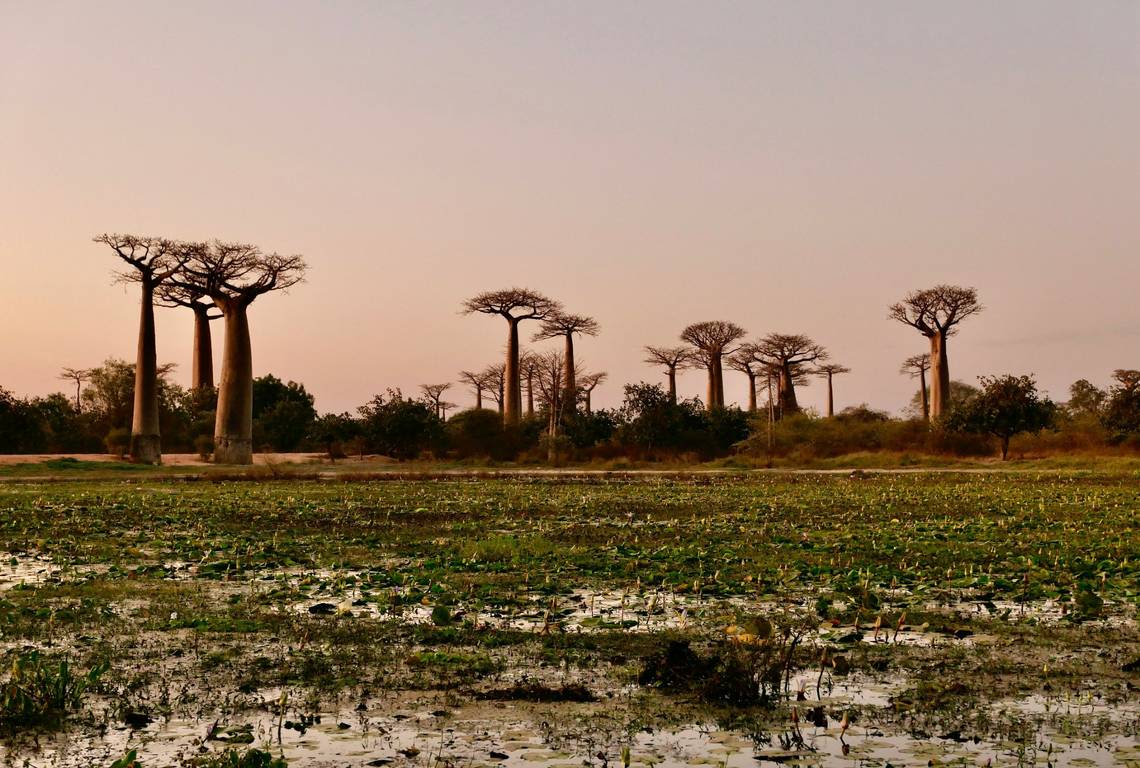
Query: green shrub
pixel 41 693
pixel 204 446
pixel 118 440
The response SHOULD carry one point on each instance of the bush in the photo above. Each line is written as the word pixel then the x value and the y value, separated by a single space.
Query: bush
pixel 118 441
pixel 41 693
pixel 478 433
pixel 204 447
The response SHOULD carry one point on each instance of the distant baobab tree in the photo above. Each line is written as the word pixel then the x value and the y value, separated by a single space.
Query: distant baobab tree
pixel 745 361
pixel 153 261
pixel 565 326
pixel 233 275
pixel 587 384
pixel 674 359
pixel 434 395
pixel 528 369
pixel 78 376
pixel 477 381
pixel 789 355
pixel 916 367
pixel 202 368
pixel 515 305
pixel 710 342
pixel 936 313
pixel 495 381
pixel 828 371
pixel 550 377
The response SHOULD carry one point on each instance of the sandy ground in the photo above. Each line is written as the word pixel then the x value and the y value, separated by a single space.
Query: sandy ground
pixel 169 459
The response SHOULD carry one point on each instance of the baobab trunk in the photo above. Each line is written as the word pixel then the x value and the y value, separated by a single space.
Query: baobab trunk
pixel 233 430
pixel 673 386
pixel 478 399
pixel 530 393
pixel 146 444
pixel 751 392
pixel 589 409
pixel 788 403
pixel 830 398
pixel 925 397
pixel 569 380
pixel 939 378
pixel 513 399
pixel 202 374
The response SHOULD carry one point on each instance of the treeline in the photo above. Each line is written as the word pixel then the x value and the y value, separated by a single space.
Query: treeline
pixel 651 423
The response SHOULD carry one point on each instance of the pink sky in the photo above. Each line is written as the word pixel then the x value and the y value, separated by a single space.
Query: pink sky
pixel 792 167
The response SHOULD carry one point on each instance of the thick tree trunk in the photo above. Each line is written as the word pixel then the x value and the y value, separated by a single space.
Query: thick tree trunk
pixel 751 392
pixel 924 396
pixel 830 398
pixel 202 374
pixel 569 377
pixel 513 407
pixel 146 444
pixel 939 378
pixel 718 369
pixel 673 386
pixel 788 403
pixel 478 399
pixel 530 393
pixel 233 430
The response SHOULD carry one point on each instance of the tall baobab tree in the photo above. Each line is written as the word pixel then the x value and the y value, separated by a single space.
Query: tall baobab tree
pixel 495 381
pixel 78 376
pixel 152 261
pixel 789 355
pixel 233 275
pixel 674 359
pixel 828 371
pixel 477 382
pixel 916 367
pixel 745 361
pixel 194 299
pixel 936 313
pixel 565 326
pixel 587 384
pixel 515 305
pixel 434 395
pixel 710 342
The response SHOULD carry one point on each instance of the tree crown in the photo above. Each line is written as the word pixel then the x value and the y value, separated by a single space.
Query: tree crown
pixel 711 339
pixel 936 310
pixel 513 303
pixel 563 324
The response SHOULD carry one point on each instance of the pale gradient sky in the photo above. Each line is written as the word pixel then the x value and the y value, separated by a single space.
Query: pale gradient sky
pixel 792 167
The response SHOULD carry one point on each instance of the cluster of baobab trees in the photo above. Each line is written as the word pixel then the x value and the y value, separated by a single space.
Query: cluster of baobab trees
pixel 555 379
pixel 214 280
pixel 781 361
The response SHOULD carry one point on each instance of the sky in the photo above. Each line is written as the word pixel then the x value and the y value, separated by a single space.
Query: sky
pixel 793 167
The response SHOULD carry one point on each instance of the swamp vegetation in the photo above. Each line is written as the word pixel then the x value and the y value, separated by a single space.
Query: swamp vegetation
pixel 731 620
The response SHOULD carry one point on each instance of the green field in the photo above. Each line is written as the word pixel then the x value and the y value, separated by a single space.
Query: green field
pixel 922 608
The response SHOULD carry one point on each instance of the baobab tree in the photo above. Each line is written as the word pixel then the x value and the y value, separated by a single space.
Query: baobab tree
pixel 495 381
pixel 152 262
pixel 710 342
pixel 916 367
pixel 936 313
pixel 528 369
pixel 202 368
pixel 78 376
pixel 515 305
pixel 828 371
pixel 789 355
pixel 565 326
pixel 745 361
pixel 477 381
pixel 587 384
pixel 434 395
pixel 233 275
pixel 674 359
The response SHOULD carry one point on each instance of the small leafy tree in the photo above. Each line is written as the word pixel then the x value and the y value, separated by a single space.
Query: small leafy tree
pixel 400 427
pixel 1121 414
pixel 1005 406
